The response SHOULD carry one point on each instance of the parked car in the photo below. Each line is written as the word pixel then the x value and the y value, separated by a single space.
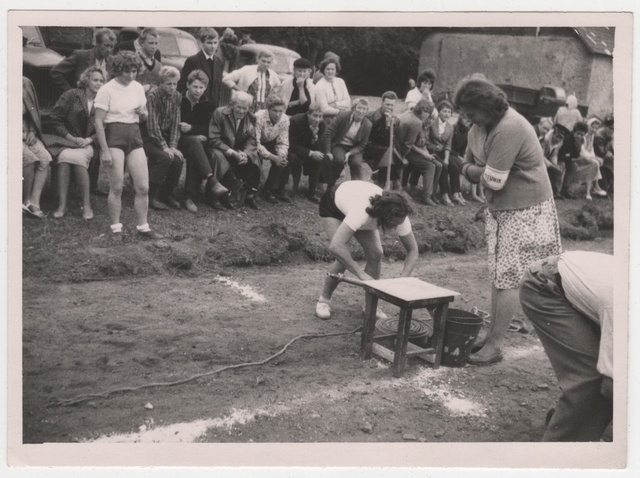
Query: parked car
pixel 37 61
pixel 175 45
pixel 283 58
pixel 543 102
pixel 65 40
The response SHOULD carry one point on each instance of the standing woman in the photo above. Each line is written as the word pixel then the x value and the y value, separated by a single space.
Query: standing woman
pixel 228 53
pixel 258 80
pixel 504 154
pixel 331 91
pixel 361 209
pixel 120 105
pixel 73 136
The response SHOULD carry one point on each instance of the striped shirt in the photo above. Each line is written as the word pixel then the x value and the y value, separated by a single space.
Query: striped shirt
pixel 163 123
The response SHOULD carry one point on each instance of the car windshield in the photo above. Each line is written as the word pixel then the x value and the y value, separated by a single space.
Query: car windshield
pixel 187 46
pixel 282 63
pixel 168 45
pixel 32 34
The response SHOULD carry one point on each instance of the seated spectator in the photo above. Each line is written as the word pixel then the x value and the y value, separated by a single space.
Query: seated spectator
pixel 594 124
pixel 207 61
pixel 603 148
pixel 195 115
pixel 272 136
pixel 569 114
pixel 332 93
pixel 65 75
pixel 257 80
pixel 425 84
pixel 317 74
pixel 120 105
pixel 569 300
pixel 160 137
pixel 299 91
pixel 146 46
pixel 306 131
pixel 245 38
pixel 137 44
pixel 439 144
pixel 551 144
pixel 344 141
pixel 35 157
pixel 581 166
pixel 232 137
pixel 542 127
pixel 228 54
pixel 72 123
pixel 458 149
pixel 411 144
pixel 379 144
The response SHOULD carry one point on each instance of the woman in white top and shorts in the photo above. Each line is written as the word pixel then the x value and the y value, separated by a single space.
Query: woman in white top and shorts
pixel 359 209
pixel 120 104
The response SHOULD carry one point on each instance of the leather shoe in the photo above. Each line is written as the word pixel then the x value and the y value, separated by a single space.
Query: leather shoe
pixel 190 206
pixel 251 202
pixel 313 198
pixel 225 200
pixel 475 360
pixel 149 235
pixel 217 190
pixel 170 201
pixel 269 197
pixel 282 195
pixel 157 205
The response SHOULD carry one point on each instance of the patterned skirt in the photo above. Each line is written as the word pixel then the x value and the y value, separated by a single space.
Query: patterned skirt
pixel 517 238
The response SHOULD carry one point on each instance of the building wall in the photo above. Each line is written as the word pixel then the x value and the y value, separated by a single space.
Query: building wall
pixel 601 86
pixel 526 61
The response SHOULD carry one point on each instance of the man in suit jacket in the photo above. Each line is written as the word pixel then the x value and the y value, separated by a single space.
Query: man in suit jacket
pixel 344 141
pixel 232 139
pixel 305 143
pixel 207 61
pixel 65 75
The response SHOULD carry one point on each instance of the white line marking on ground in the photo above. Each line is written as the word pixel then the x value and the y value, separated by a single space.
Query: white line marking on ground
pixel 245 290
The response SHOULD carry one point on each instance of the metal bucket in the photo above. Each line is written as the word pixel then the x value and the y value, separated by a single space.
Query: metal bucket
pixel 460 333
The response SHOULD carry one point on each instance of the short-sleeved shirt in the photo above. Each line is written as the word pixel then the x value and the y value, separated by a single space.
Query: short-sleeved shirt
pixel 352 199
pixel 120 101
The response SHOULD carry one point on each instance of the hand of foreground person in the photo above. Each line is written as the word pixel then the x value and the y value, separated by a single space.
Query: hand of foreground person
pixel 105 158
pixel 279 161
pixel 185 127
pixel 169 151
pixel 178 154
pixel 242 157
pixel 316 155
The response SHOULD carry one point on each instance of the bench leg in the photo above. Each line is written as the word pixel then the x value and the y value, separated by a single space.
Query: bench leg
pixel 404 326
pixel 439 321
pixel 369 326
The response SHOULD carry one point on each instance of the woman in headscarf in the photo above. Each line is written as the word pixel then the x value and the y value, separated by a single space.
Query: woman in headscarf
pixel 569 114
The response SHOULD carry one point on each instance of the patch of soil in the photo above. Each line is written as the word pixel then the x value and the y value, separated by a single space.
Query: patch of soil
pixel 90 338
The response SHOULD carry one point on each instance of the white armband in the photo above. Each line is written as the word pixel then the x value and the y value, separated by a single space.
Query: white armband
pixel 494 179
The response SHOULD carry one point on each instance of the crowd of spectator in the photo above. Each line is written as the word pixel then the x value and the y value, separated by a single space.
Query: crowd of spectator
pixel 122 109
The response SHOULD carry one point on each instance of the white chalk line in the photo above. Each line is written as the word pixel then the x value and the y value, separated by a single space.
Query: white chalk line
pixel 245 290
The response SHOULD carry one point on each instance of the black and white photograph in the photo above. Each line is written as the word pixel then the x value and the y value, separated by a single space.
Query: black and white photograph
pixel 356 239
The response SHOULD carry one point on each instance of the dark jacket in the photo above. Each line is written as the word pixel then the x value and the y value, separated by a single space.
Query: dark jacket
pixel 130 46
pixel 222 134
pixel 198 115
pixel 199 62
pixel 65 75
pixel 70 115
pixel 408 132
pixel 339 127
pixel 300 137
pixel 379 132
pixel 437 142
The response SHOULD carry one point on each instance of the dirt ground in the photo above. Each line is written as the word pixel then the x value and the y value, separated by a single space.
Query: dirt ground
pixel 94 337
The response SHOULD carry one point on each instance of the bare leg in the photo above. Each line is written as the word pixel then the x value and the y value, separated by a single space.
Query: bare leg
pixel 39 180
pixel 28 175
pixel 82 178
pixel 330 284
pixel 504 305
pixel 63 186
pixel 115 172
pixel 370 242
pixel 137 166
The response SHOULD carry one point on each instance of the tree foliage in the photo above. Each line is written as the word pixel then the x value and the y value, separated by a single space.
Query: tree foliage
pixel 373 59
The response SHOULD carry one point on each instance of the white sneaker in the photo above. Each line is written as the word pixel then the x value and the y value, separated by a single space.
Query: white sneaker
pixel 323 310
pixel 380 315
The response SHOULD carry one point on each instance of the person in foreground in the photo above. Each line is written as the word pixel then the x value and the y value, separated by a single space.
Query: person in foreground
pixel 569 300
pixel 521 222
pixel 120 105
pixel 360 209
